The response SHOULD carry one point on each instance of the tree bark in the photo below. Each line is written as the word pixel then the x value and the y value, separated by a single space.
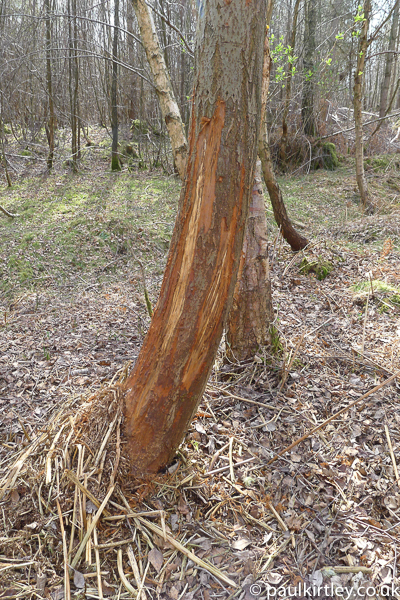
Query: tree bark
pixel 169 378
pixel 115 163
pixel 251 314
pixel 357 104
pixel 248 327
pixel 389 61
pixel 307 104
pixel 168 104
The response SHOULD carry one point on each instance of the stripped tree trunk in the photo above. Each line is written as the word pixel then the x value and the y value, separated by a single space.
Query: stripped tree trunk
pixel 168 104
pixel 251 312
pixel 294 239
pixel 171 372
pixel 357 103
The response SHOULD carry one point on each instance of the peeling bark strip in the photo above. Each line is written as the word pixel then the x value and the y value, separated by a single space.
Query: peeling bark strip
pixel 169 378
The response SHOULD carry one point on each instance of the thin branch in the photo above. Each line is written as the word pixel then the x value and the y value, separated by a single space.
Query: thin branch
pixel 383 52
pixel 377 30
pixel 334 416
pixel 324 137
pixel 168 22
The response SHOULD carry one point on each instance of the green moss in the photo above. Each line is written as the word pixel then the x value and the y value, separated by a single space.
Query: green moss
pixel 320 267
pixel 377 163
pixel 27 237
pixel 115 164
pixel 329 157
pixel 25 153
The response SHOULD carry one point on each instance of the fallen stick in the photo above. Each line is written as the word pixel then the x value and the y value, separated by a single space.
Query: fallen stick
pixel 340 412
pixel 3 210
pixel 396 472
pixel 198 561
pixel 90 528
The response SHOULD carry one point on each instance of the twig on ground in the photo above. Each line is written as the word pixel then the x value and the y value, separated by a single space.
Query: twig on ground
pixel 389 441
pixel 340 412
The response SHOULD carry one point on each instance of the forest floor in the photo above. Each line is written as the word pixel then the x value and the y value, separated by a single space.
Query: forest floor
pixel 323 519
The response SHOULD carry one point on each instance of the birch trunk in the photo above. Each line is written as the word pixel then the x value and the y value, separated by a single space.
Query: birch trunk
pixel 162 81
pixel 171 372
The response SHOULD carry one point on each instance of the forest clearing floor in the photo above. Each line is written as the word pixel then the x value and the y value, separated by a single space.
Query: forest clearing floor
pixel 323 519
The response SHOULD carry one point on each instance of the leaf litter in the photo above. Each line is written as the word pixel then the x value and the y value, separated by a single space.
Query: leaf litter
pixel 221 519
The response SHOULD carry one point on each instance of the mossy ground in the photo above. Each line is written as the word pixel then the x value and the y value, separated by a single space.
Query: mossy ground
pixel 86 225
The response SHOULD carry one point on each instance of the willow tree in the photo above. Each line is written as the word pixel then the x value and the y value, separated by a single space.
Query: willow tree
pixel 171 372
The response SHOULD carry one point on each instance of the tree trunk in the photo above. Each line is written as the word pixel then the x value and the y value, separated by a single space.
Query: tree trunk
pixel 51 123
pixel 389 61
pixel 251 313
pixel 168 104
pixel 357 103
pixel 115 163
pixel 171 372
pixel 307 104
pixel 293 238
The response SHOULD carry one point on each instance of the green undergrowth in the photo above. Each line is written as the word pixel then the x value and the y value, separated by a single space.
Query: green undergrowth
pixel 327 202
pixel 320 267
pixel 388 296
pixel 84 227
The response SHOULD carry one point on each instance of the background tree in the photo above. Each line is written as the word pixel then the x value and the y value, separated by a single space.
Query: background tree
pixel 307 105
pixel 357 102
pixel 115 164
pixel 389 62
